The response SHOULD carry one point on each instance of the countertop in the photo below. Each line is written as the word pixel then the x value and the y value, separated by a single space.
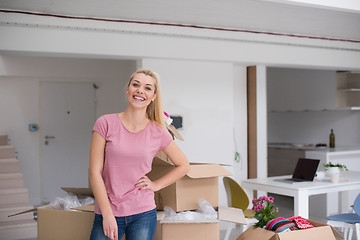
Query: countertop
pixel 312 147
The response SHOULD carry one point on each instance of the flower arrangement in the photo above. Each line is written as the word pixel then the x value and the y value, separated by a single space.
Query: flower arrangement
pixel 264 210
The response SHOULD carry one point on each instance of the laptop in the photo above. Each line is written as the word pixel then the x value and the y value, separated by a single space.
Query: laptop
pixel 305 171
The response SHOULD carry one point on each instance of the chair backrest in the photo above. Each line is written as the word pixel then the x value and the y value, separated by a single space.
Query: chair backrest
pixel 357 204
pixel 236 195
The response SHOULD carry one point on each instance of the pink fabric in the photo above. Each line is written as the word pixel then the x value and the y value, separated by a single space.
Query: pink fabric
pixel 128 157
pixel 300 222
pixel 271 223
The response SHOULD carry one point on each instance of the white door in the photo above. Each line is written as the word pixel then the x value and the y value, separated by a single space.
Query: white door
pixel 68 115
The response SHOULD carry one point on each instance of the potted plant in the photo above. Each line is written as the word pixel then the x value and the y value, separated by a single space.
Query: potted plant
pixel 264 210
pixel 334 171
pixel 337 165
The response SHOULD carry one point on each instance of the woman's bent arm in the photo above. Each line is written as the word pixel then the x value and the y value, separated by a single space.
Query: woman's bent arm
pixel 181 164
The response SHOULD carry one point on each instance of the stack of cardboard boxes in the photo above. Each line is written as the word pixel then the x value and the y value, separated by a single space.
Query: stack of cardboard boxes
pixel 200 182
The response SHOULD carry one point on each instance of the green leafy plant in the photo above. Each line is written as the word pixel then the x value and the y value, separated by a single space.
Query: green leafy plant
pixel 264 210
pixel 330 164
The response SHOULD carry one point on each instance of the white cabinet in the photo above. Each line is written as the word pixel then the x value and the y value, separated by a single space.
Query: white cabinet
pixel 348 90
pixel 300 89
pixel 312 90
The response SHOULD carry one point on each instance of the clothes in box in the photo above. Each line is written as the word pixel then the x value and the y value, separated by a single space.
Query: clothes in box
pixel 320 231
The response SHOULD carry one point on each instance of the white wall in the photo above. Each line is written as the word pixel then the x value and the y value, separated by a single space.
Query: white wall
pixel 20 79
pixel 304 89
pixel 19 106
pixel 240 122
pixel 110 75
pixel 261 118
pixel 314 127
pixel 202 93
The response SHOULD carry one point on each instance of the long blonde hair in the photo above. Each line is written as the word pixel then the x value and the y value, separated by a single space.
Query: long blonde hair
pixel 154 110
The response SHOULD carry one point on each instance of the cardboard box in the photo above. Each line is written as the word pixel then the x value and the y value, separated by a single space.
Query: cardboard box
pixel 196 229
pixel 200 182
pixel 61 224
pixel 58 224
pixel 320 231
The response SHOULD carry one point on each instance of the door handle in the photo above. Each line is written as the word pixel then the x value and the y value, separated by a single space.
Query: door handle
pixel 47 138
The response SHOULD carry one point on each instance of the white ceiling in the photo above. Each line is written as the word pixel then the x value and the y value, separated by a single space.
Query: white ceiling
pixel 274 16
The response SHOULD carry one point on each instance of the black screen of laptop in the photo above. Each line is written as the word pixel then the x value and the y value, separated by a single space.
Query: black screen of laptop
pixel 306 169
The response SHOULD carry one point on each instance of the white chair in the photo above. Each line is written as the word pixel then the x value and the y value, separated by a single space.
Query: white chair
pixel 347 221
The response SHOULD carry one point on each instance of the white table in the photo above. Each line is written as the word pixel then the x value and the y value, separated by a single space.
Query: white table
pixel 302 191
pixel 348 155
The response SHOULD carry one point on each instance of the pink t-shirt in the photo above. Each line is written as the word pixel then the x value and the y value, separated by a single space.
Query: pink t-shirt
pixel 128 157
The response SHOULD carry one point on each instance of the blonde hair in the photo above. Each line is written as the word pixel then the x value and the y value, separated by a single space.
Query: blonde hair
pixel 154 110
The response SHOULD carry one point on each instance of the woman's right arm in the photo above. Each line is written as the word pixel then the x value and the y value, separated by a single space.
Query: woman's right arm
pixel 98 187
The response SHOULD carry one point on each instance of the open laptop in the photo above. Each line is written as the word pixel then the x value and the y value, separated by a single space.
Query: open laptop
pixel 305 171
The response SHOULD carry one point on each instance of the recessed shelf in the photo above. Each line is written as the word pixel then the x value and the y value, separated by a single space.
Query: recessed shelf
pixel 348 90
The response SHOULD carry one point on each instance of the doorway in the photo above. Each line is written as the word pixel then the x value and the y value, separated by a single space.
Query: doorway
pixel 67 117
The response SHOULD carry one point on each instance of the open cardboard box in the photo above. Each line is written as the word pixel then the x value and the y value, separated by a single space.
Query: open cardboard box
pixel 58 224
pixel 200 182
pixel 61 224
pixel 320 231
pixel 196 229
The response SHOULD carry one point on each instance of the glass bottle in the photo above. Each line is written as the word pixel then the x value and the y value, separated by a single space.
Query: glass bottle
pixel 332 139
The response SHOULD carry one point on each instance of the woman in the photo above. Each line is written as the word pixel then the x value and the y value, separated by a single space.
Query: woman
pixel 122 148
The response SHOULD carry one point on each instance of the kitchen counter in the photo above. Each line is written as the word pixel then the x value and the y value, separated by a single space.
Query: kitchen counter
pixel 341 150
pixel 295 146
pixel 312 147
pixel 348 155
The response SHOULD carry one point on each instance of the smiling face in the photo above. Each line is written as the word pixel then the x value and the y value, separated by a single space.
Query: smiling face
pixel 141 90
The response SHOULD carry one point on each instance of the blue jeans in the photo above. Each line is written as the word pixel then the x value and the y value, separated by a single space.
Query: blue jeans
pixel 140 226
